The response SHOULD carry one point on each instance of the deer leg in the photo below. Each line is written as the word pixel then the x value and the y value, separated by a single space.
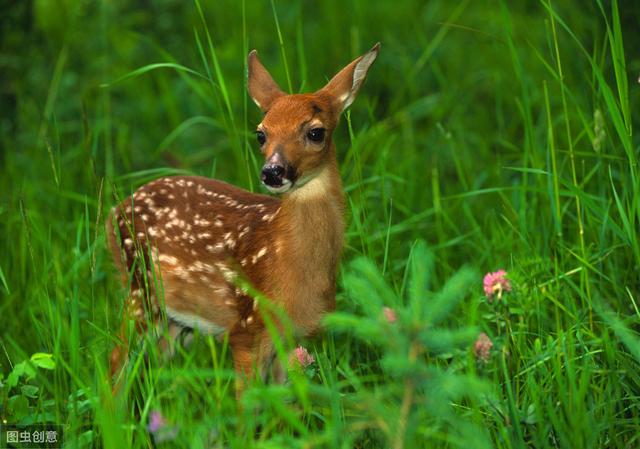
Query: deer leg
pixel 278 371
pixel 253 352
pixel 133 310
pixel 267 361
pixel 119 353
pixel 168 340
pixel 241 343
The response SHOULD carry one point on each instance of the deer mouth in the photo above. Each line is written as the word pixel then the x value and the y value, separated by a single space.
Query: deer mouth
pixel 285 186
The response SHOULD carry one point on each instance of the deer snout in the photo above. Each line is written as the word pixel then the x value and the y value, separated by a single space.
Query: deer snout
pixel 273 175
pixel 277 175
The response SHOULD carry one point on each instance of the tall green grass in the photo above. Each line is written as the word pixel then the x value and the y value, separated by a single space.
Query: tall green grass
pixel 488 135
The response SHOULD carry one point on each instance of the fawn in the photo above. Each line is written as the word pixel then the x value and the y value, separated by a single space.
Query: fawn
pixel 197 236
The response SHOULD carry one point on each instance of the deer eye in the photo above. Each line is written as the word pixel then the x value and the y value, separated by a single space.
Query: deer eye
pixel 316 135
pixel 261 137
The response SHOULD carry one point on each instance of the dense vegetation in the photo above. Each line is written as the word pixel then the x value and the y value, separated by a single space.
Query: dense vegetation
pixel 489 135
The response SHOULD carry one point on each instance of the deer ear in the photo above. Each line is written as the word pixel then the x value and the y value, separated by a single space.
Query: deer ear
pixel 262 88
pixel 345 85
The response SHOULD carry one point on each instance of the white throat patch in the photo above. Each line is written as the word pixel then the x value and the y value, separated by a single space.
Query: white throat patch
pixel 312 186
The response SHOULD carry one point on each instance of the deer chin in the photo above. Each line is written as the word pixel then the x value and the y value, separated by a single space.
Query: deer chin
pixel 285 187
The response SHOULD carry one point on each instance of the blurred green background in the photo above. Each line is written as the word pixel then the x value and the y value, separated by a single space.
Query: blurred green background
pixel 498 133
pixel 458 90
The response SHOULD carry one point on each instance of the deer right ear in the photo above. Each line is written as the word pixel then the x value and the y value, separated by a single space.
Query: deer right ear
pixel 345 85
pixel 262 88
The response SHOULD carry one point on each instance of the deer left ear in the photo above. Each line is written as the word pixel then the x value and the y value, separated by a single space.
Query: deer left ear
pixel 345 85
pixel 262 88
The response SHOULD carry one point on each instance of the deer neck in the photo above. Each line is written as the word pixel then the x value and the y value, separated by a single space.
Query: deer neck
pixel 313 215
pixel 311 228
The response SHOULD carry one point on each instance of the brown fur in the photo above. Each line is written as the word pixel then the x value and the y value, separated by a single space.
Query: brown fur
pixel 182 243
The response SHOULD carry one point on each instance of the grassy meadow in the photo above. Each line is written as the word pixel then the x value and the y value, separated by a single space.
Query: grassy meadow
pixel 488 135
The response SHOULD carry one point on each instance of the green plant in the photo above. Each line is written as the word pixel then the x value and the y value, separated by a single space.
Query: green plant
pixel 422 363
pixel 21 392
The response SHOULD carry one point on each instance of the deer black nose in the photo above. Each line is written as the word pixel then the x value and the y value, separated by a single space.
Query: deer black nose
pixel 272 175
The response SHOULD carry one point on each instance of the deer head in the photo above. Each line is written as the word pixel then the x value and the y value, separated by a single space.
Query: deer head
pixel 295 134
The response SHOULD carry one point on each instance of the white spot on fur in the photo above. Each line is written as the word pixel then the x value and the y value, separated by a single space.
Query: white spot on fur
pixel 195 322
pixel 161 212
pixel 221 291
pixel 228 274
pixel 201 266
pixel 229 241
pixel 168 259
pixel 215 248
pixel 260 253
pixel 243 232
pixel 182 273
